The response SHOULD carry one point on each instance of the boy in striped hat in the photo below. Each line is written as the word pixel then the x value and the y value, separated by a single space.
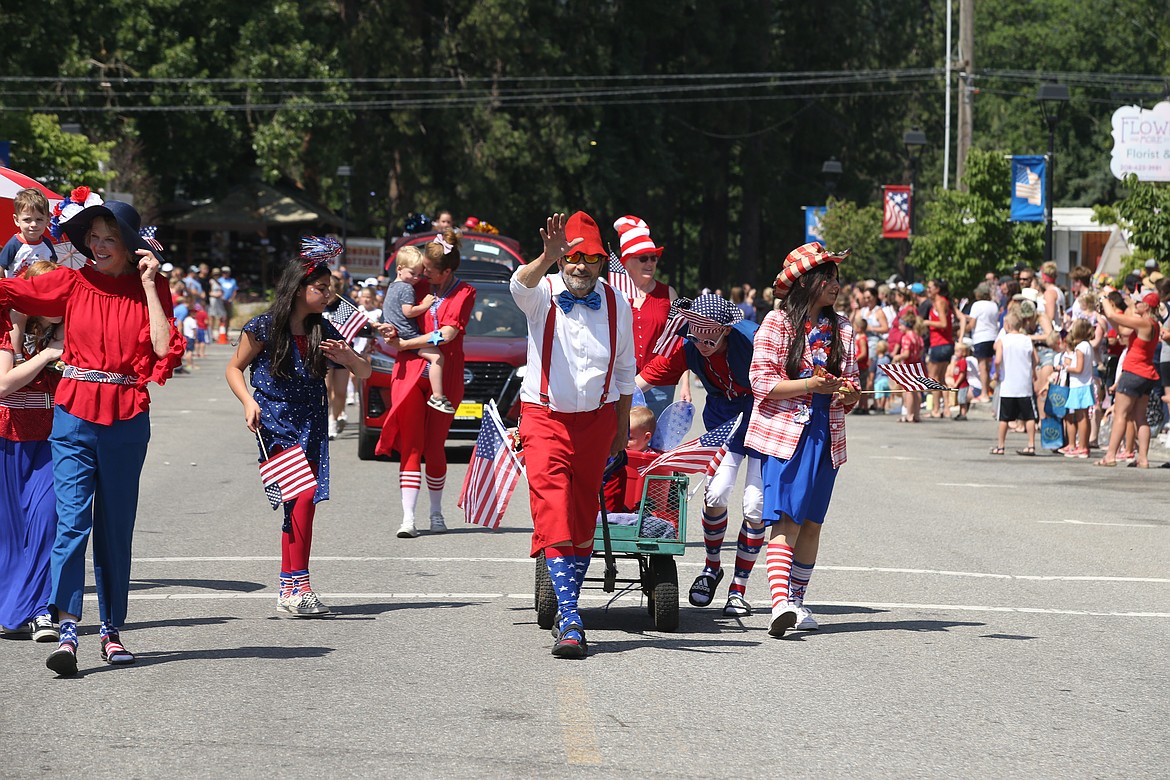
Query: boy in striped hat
pixel 718 349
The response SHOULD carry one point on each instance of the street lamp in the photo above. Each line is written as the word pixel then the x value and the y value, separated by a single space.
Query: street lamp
pixel 1052 98
pixel 913 139
pixel 344 172
pixel 831 174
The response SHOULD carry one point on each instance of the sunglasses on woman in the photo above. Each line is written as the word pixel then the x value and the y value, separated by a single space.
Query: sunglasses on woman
pixel 712 343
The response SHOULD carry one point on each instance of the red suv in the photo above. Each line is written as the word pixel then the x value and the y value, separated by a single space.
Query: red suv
pixel 495 349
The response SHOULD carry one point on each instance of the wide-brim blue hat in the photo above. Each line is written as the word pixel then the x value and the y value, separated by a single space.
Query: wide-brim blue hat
pixel 129 222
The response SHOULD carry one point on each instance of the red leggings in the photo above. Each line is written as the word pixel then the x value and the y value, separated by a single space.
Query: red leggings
pixel 296 544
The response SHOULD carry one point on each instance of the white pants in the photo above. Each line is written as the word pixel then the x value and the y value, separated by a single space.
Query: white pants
pixel 720 485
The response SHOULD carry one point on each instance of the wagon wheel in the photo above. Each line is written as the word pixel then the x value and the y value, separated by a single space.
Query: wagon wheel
pixel 545 598
pixel 663 593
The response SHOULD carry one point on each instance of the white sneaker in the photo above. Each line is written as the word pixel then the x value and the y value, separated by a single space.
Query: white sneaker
pixel 304 604
pixel 332 429
pixel 782 621
pixel 804 619
pixel 437 524
pixel 407 531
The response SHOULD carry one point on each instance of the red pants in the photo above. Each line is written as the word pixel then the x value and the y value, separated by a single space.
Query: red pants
pixel 564 455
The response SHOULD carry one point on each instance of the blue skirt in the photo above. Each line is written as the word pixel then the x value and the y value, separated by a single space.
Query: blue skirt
pixel 1080 397
pixel 28 527
pixel 800 488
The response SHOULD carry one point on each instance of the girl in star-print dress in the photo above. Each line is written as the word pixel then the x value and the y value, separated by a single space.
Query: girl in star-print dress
pixel 289 349
pixel 804 379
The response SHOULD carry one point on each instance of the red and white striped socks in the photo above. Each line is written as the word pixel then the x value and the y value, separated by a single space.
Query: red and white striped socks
pixel 778 560
pixel 747 550
pixel 435 489
pixel 410 482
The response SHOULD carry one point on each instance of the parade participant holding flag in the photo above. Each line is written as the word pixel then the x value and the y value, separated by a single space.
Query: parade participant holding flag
pixel 650 301
pixel 413 427
pixel 290 348
pixel 804 378
pixel 718 349
pixel 118 337
pixel 575 410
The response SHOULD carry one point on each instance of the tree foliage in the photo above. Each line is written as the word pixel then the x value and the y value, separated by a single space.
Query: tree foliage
pixel 846 225
pixel 963 235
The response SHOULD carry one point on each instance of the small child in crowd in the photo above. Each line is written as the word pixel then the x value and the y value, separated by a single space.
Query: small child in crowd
pixel 30 210
pixel 400 311
pixel 881 382
pixel 1015 360
pixel 861 330
pixel 190 332
pixel 201 337
pixel 957 373
pixel 1078 362
pixel 909 350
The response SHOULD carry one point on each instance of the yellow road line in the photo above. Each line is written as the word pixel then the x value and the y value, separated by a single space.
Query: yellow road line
pixel 577 729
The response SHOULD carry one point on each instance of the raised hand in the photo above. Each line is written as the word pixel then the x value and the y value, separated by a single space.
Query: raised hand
pixel 556 245
pixel 147 265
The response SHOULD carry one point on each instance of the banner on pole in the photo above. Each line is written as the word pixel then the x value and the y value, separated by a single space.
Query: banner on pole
pixel 1028 172
pixel 896 211
pixel 812 223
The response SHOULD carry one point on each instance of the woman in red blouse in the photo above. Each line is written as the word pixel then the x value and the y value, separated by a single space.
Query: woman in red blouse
pixel 119 336
pixel 940 318
pixel 419 431
pixel 650 302
pixel 1138 376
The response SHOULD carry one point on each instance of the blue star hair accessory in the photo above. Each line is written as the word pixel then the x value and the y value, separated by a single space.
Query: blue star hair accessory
pixel 316 250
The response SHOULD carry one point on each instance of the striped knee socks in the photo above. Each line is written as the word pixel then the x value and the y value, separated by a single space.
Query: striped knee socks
pixel 747 550
pixel 778 560
pixel 798 581
pixel 714 529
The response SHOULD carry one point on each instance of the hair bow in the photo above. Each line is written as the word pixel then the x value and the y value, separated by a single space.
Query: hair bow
pixel 443 243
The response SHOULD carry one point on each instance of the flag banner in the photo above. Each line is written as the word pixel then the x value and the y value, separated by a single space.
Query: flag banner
pixel 1028 174
pixel 812 223
pixel 286 475
pixel 619 279
pixel 493 473
pixel 912 376
pixel 347 318
pixel 669 341
pixel 896 211
pixel 702 454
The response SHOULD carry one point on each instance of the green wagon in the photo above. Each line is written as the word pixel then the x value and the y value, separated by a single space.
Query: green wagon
pixel 664 499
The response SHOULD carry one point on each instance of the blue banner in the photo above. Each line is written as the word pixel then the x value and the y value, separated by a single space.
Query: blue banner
pixel 5 160
pixel 1028 189
pixel 812 223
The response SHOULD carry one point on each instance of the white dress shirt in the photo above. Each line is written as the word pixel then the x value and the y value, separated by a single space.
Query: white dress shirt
pixel 580 354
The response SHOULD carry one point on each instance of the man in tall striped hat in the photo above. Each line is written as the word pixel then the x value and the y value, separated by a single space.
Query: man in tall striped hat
pixel 575 403
pixel 718 349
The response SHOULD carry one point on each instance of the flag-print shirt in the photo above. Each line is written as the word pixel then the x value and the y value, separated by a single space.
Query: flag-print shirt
pixel 776 425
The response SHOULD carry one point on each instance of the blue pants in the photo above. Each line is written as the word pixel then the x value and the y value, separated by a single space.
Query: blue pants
pixel 96 469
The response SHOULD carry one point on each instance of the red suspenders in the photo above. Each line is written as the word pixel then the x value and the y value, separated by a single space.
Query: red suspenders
pixel 550 328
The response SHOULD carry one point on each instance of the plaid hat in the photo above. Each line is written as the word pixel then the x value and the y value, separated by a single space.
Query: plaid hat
pixel 799 262
pixel 634 235
pixel 581 225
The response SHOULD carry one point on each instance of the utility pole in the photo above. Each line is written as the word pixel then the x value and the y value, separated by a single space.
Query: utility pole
pixel 966 65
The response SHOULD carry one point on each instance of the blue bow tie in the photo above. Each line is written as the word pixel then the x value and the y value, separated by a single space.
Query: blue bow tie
pixel 566 300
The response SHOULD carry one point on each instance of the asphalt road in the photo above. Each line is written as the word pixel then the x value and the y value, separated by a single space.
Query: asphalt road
pixel 980 617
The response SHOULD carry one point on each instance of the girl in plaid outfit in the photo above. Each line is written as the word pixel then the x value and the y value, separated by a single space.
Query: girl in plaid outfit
pixel 804 380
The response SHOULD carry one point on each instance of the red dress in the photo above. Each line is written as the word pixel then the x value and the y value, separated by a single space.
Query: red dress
pixel 107 328
pixel 410 420
pixel 649 322
pixel 25 423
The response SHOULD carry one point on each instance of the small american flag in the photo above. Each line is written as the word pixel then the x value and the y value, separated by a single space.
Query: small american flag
pixel 286 475
pixel 347 318
pixel 619 279
pixel 493 473
pixel 149 233
pixel 702 454
pixel 912 376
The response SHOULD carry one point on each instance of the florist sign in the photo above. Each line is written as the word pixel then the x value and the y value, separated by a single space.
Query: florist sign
pixel 1141 142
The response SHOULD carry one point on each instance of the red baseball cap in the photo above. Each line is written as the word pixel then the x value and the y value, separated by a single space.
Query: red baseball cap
pixel 1151 299
pixel 581 225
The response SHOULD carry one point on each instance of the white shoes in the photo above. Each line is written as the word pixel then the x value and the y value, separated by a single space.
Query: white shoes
pixel 437 524
pixel 804 619
pixel 304 604
pixel 407 530
pixel 783 620
pixel 332 429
